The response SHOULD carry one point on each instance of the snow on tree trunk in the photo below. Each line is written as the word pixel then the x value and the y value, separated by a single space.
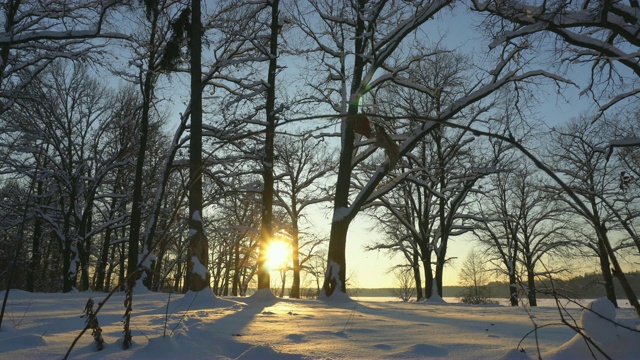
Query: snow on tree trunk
pixel 435 297
pixel 335 277
pixel 335 289
pixel 198 244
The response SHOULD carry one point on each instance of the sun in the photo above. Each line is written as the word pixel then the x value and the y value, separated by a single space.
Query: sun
pixel 278 254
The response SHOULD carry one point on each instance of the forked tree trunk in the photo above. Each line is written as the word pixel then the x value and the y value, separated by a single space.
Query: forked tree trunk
pixel 607 276
pixel 335 276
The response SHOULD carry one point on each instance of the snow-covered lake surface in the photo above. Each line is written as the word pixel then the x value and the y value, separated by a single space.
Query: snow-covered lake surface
pixel 200 326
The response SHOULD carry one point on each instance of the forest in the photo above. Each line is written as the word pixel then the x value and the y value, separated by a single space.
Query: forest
pixel 184 145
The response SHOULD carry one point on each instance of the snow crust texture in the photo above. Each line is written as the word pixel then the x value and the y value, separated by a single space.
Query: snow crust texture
pixel 617 338
pixel 199 325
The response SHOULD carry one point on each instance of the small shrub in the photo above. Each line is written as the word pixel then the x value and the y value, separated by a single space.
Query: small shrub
pixel 477 300
pixel 92 322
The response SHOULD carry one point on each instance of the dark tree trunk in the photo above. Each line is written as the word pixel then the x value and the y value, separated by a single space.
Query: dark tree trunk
pixel 283 277
pixel 416 276
pixel 428 276
pixel 607 276
pixel 157 269
pixel 225 277
pixel 136 207
pixel 101 267
pixel 105 285
pixel 513 285
pixel 531 286
pixel 198 258
pixel 83 255
pixel 335 276
pixel 440 262
pixel 217 275
pixel 266 227
pixel 46 269
pixel 68 280
pixel 295 254
pixel 69 273
pixel 36 256
pixel 622 278
pixel 236 269
pixel 438 277
pixel 84 246
pixel 122 270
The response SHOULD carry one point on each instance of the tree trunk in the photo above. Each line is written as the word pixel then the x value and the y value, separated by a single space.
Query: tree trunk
pixel 198 258
pixel 295 254
pixel 83 255
pixel 137 201
pixel 236 269
pixel 531 286
pixel 428 276
pixel 35 252
pixel 513 285
pixel 157 277
pixel 618 273
pixel 101 267
pixel 123 269
pixel 266 228
pixel 607 276
pixel 68 271
pixel 416 275
pixel 283 277
pixel 335 276
pixel 110 265
pixel 440 260
pixel 438 278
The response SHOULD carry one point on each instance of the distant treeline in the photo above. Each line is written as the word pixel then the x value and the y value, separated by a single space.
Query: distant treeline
pixel 584 286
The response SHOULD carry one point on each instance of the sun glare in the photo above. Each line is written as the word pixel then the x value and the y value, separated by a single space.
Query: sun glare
pixel 278 255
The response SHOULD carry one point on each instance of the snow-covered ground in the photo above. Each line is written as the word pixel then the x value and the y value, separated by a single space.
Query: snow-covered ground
pixel 200 326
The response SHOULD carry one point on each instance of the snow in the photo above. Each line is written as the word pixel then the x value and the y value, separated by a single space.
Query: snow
pixel 200 325
pixel 198 268
pixel 340 214
pixel 599 324
pixel 262 296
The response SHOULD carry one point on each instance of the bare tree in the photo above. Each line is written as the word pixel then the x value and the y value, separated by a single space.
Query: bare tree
pixel 474 276
pixel 68 113
pixel 405 289
pixel 302 165
pixel 377 30
pixel 602 35
pixel 236 237
pixel 523 225
pixel 36 33
pixel 575 150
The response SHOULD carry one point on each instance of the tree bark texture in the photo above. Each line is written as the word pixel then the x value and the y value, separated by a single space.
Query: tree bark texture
pixel 198 254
